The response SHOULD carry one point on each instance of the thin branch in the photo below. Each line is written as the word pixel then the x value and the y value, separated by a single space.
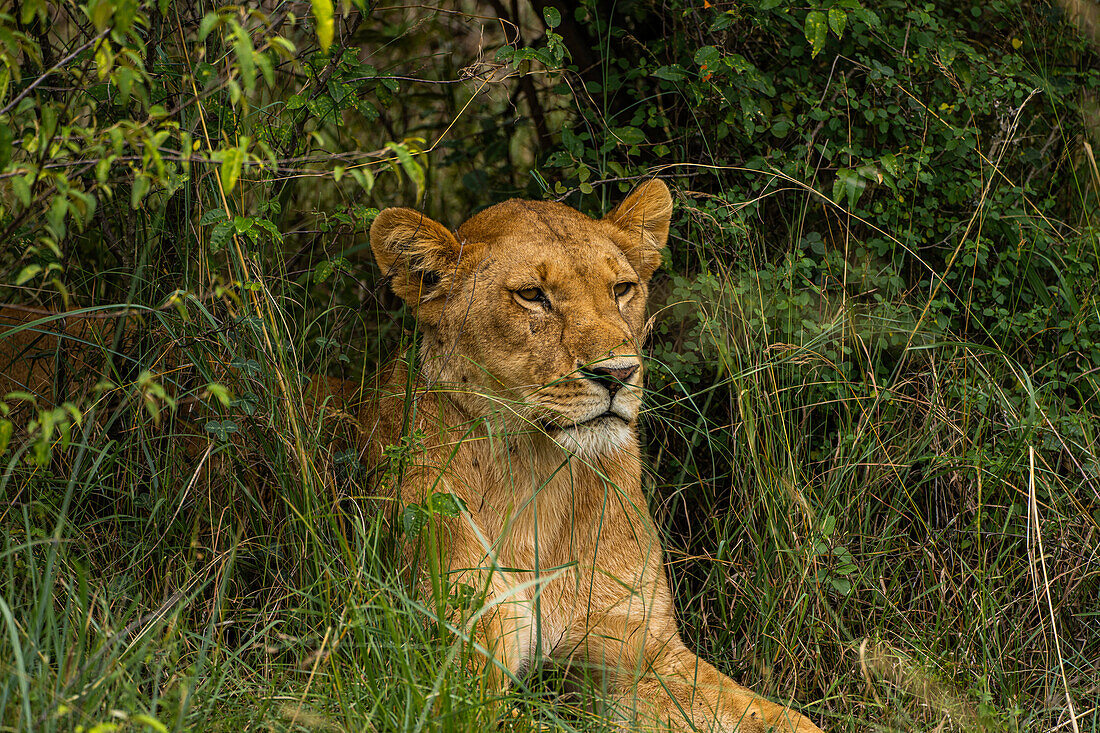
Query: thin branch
pixel 30 88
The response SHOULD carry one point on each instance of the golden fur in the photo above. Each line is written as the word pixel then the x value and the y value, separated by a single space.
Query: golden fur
pixel 29 360
pixel 526 400
pixel 523 405
pixel 46 355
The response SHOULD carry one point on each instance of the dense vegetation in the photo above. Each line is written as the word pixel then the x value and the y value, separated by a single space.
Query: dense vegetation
pixel 873 423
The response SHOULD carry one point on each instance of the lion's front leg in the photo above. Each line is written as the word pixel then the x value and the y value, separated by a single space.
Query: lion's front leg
pixel 495 614
pixel 486 607
pixel 657 683
pixel 503 635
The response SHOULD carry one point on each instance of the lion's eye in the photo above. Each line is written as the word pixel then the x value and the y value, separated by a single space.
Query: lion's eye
pixel 623 288
pixel 532 295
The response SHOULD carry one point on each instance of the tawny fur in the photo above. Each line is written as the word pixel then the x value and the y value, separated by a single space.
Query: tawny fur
pixel 509 396
pixel 518 421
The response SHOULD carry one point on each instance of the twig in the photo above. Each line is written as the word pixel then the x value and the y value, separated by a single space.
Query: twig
pixel 542 132
pixel 620 179
pixel 30 88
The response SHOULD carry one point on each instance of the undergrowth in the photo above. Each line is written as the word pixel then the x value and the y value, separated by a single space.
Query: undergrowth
pixel 871 425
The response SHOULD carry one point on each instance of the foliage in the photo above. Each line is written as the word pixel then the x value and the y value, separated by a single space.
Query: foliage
pixel 873 387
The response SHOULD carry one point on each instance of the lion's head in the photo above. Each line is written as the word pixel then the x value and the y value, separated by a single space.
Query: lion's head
pixel 533 311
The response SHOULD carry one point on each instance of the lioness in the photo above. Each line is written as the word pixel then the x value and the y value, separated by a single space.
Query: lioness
pixel 523 404
pixel 527 396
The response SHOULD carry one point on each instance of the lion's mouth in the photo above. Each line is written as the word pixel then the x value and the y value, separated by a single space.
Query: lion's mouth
pixel 605 415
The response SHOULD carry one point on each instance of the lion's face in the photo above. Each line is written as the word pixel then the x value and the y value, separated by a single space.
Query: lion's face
pixel 534 311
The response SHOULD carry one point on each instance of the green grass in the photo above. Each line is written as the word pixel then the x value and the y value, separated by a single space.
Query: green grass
pixel 885 516
pixel 867 546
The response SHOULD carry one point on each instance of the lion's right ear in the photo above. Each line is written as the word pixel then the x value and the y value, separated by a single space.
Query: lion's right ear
pixel 419 255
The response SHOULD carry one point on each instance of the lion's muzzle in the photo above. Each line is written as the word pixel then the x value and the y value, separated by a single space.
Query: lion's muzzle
pixel 609 376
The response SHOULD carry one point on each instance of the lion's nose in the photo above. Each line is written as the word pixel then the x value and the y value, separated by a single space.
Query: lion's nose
pixel 610 378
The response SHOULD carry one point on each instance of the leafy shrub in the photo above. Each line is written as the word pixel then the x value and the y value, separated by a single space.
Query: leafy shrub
pixel 873 387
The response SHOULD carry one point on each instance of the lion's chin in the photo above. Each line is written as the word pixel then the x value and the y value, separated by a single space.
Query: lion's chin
pixel 593 438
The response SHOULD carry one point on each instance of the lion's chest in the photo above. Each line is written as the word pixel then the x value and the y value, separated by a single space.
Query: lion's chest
pixel 561 518
pixel 529 515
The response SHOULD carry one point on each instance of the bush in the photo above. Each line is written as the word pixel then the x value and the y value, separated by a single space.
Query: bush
pixel 873 388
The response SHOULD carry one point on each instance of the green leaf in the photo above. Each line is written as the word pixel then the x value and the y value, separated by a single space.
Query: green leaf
pixel 326 26
pixel 414 519
pixel 232 161
pixel 55 216
pixel 629 135
pixel 242 47
pixel 707 58
pixel 270 228
pixel 669 73
pixel 139 189
pixel 249 403
pixel 101 12
pixel 868 17
pixel 27 273
pixel 249 367
pixel 124 77
pixel 204 72
pixel 724 21
pixel 816 31
pixel 324 107
pixel 325 268
pixel 364 177
pixel 221 233
pixel 411 166
pixel 947 53
pixel 31 8
pixel 364 215
pixel 837 20
pixel 448 505
pixel 6 139
pixel 222 430
pixel 848 185
pixel 841 585
pixel 552 16
pixel 890 163
pixel 266 68
pixel 22 189
pixel 213 217
pixel 323 271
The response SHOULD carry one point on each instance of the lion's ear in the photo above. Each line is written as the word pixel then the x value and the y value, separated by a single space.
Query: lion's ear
pixel 419 255
pixel 644 215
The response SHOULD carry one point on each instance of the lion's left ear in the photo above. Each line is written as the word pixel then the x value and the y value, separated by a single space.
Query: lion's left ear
pixel 644 215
